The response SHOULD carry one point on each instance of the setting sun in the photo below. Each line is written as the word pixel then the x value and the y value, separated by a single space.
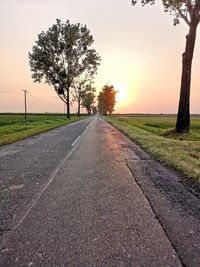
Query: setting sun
pixel 121 96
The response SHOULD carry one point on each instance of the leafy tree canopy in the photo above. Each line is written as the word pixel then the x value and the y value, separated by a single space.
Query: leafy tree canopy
pixel 106 100
pixel 89 99
pixel 185 9
pixel 62 54
pixel 81 86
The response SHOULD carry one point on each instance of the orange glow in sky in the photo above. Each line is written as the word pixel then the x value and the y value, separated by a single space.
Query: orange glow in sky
pixel 139 46
pixel 122 96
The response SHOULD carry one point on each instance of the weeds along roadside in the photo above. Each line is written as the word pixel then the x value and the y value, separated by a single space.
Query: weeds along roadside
pixel 15 128
pixel 154 135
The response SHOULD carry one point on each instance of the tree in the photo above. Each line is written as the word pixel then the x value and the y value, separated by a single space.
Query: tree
pixel 81 86
pixel 88 100
pixel 106 100
pixel 94 110
pixel 189 11
pixel 62 54
pixel 101 104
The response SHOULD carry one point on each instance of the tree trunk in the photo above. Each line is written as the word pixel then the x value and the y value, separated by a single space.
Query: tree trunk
pixel 79 106
pixel 68 104
pixel 183 118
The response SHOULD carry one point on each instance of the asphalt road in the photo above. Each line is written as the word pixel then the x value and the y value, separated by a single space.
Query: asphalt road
pixel 27 166
pixel 84 195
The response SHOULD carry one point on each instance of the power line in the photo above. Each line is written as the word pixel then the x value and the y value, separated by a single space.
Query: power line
pixel 9 92
pixel 42 100
pixel 25 99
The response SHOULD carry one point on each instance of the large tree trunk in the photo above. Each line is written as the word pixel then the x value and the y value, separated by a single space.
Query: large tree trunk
pixel 183 118
pixel 68 104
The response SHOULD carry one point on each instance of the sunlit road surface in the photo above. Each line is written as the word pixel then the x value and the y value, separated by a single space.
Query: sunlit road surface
pixel 83 195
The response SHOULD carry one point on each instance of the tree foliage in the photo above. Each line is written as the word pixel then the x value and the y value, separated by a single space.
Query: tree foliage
pixel 61 55
pixel 89 99
pixel 189 11
pixel 81 86
pixel 106 100
pixel 180 9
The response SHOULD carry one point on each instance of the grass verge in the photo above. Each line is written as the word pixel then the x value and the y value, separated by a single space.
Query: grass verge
pixel 154 134
pixel 14 127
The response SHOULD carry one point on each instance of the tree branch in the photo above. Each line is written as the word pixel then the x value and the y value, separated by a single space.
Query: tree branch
pixel 189 7
pixel 61 98
pixel 184 17
pixel 197 2
pixel 197 10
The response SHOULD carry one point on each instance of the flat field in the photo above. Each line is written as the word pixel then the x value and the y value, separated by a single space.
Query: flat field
pixel 15 127
pixel 154 133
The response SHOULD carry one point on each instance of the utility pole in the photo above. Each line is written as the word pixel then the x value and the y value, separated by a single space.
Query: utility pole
pixel 25 106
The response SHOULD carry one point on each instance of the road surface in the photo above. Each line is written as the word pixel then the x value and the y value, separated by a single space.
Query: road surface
pixel 84 195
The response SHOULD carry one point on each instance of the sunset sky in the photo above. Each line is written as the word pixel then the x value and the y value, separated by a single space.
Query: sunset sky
pixel 139 46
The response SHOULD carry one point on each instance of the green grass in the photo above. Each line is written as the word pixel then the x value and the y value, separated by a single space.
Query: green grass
pixel 155 135
pixel 14 127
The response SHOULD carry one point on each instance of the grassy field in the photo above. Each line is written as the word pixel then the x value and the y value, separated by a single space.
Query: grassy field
pixel 15 127
pixel 154 134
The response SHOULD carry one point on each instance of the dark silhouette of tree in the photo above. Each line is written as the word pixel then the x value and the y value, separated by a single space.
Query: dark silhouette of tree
pixel 61 55
pixel 88 100
pixel 102 104
pixel 106 100
pixel 189 11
